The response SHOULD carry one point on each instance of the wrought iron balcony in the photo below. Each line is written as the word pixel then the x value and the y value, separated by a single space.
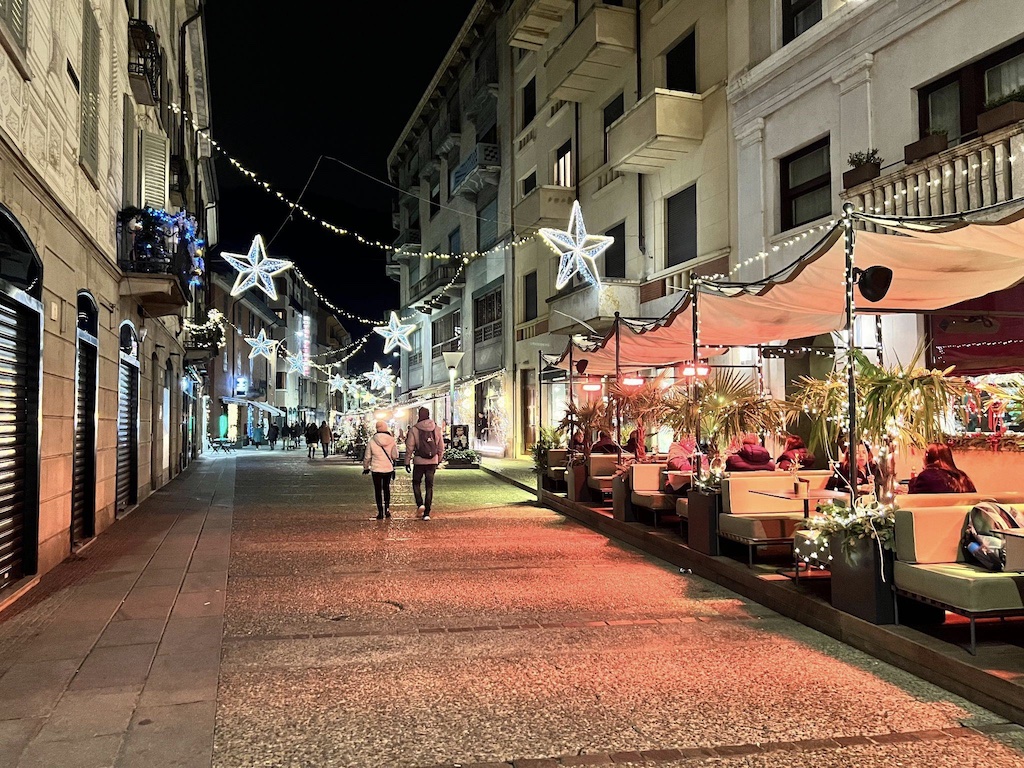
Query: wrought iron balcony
pixel 144 62
pixel 157 267
pixel 595 52
pixel 482 167
pixel 437 278
pixel 408 238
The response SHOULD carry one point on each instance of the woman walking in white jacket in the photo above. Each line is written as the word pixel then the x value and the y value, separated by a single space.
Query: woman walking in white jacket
pixel 379 460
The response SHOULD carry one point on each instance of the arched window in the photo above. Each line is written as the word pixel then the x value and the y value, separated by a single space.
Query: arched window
pixel 128 340
pixel 88 314
pixel 20 265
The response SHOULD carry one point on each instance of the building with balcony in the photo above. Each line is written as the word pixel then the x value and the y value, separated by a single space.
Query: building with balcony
pixel 106 401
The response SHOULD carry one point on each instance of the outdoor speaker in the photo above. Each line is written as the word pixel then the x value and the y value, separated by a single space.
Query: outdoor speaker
pixel 581 366
pixel 873 282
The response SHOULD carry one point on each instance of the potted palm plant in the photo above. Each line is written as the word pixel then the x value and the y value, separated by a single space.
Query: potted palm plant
pixel 864 166
pixel 644 405
pixel 585 418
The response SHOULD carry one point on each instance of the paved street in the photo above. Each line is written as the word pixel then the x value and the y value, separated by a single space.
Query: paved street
pixel 253 613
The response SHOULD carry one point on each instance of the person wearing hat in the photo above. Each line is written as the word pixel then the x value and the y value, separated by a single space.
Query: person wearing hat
pixel 424 447
pixel 379 460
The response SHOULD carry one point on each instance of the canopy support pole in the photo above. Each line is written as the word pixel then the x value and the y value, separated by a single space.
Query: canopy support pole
pixel 618 402
pixel 878 338
pixel 572 421
pixel 851 380
pixel 695 389
pixel 540 394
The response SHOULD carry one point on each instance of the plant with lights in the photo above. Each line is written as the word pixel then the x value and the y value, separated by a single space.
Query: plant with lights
pixel 161 240
pixel 461 456
pixel 869 519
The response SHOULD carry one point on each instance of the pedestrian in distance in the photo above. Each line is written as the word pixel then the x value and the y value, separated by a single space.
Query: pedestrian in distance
pixel 286 436
pixel 325 437
pixel 379 459
pixel 272 435
pixel 312 438
pixel 423 451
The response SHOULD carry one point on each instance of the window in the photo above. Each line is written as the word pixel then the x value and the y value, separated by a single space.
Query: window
pixel 89 135
pixel 943 106
pixel 530 296
pixel 529 104
pixel 562 175
pixel 435 196
pixel 282 380
pixel 612 112
pixel 682 226
pixel 1004 79
pixel 681 65
pixel 14 13
pixel 455 241
pixel 529 184
pixel 487 225
pixel 806 185
pixel 615 254
pixel 416 342
pixel 446 333
pixel 487 317
pixel 798 16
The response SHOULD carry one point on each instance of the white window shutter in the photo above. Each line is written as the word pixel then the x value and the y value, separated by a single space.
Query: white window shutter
pixel 154 157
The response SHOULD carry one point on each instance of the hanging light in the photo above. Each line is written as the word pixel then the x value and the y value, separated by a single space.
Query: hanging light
pixel 632 381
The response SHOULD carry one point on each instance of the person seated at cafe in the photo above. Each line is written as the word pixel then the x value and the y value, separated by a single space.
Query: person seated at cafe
pixel 633 445
pixel 604 444
pixel 578 443
pixel 751 456
pixel 795 452
pixel 940 473
pixel 867 471
pixel 680 454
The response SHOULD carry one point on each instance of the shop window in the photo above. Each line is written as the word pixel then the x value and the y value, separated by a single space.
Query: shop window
pixel 681 65
pixel 530 296
pixel 797 17
pixel 682 226
pixel 487 317
pixel 529 184
pixel 806 179
pixel 562 175
pixel 615 254
pixel 612 112
pixel 529 102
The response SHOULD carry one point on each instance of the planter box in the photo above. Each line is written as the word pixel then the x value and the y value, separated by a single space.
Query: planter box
pixel 576 480
pixel 461 465
pixel 857 586
pixel 857 176
pixel 1000 117
pixel 925 147
pixel 622 504
pixel 702 510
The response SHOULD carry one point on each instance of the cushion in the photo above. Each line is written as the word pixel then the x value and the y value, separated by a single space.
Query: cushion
pixel 738 497
pixel 962 586
pixel 556 473
pixel 918 500
pixel 603 464
pixel 929 534
pixel 600 482
pixel 749 527
pixel 647 477
pixel 653 500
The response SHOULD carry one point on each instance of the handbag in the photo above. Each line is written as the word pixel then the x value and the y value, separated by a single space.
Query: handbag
pixel 388 455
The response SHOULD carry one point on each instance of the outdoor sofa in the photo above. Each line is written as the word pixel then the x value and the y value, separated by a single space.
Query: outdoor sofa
pixel 647 492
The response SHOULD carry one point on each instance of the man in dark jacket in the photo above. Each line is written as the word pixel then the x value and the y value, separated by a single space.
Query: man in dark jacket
pixel 424 447
pixel 751 457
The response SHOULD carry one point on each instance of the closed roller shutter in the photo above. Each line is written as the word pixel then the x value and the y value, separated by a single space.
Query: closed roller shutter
pixel 127 434
pixel 83 492
pixel 17 395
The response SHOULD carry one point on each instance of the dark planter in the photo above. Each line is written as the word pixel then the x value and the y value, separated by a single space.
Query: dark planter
pixel 576 479
pixel 857 586
pixel 461 465
pixel 1000 117
pixel 925 147
pixel 622 503
pixel 857 176
pixel 702 510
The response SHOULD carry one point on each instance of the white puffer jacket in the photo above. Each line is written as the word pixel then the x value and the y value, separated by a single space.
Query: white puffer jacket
pixel 378 449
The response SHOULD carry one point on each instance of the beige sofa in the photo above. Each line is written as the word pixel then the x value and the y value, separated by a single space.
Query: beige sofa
pixel 558 459
pixel 647 492
pixel 600 471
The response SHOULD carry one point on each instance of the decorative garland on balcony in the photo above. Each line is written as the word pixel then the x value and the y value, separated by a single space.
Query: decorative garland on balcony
pixel 157 235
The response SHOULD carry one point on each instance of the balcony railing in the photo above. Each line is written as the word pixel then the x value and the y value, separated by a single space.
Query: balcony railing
pixel 487 332
pixel 483 90
pixel 977 173
pixel 144 62
pixel 408 237
pixel 482 167
pixel 595 52
pixel 438 277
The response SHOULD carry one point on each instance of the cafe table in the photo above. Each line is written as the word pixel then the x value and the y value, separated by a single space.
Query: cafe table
pixel 811 494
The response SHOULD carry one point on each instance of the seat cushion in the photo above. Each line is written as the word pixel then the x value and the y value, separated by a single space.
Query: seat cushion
pixel 961 585
pixel 653 500
pixel 601 482
pixel 760 526
pixel 556 473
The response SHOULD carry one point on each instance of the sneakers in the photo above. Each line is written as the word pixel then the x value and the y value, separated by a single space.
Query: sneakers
pixel 426 517
pixel 421 510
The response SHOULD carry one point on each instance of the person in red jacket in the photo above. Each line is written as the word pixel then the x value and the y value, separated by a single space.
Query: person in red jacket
pixel 751 457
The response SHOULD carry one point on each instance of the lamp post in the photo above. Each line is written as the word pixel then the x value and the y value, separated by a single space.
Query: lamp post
pixel 452 360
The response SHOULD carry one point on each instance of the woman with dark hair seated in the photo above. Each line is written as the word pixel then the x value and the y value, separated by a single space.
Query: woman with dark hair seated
pixel 796 452
pixel 940 473
pixel 867 471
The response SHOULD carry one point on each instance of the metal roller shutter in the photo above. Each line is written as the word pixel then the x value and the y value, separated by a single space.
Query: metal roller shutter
pixel 16 395
pixel 127 434
pixel 83 492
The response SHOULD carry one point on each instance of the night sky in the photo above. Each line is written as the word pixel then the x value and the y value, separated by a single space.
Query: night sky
pixel 293 81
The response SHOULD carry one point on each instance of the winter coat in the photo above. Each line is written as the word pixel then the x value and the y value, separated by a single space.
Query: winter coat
pixel 679 457
pixel 938 480
pixel 312 434
pixel 378 449
pixel 750 458
pixel 412 439
pixel 325 434
pixel 273 432
pixel 805 457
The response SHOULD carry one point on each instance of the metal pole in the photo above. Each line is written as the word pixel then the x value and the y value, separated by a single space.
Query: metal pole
pixel 618 403
pixel 540 392
pixel 878 338
pixel 694 282
pixel 851 377
pixel 572 421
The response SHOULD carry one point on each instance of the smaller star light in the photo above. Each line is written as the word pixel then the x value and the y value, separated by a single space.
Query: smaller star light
pixel 296 363
pixel 396 334
pixel 380 378
pixel 261 345
pixel 353 388
pixel 337 383
pixel 255 269
pixel 576 248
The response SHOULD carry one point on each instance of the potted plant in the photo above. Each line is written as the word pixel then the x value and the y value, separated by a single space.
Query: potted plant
pixel 461 458
pixel 931 143
pixel 864 167
pixel 860 546
pixel 644 405
pixel 550 437
pixel 1001 112
pixel 703 505
pixel 584 418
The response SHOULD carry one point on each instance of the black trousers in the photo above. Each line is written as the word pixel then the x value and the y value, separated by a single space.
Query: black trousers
pixel 382 490
pixel 423 473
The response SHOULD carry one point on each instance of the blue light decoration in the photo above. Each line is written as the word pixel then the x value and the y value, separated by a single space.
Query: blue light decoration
pixel 261 345
pixel 337 383
pixel 577 249
pixel 297 363
pixel 255 268
pixel 163 237
pixel 396 334
pixel 380 378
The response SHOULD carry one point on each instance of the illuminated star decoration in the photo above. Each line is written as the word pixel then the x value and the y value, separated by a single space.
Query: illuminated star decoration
pixel 255 268
pixel 353 388
pixel 576 248
pixel 296 363
pixel 396 334
pixel 261 345
pixel 380 378
pixel 337 383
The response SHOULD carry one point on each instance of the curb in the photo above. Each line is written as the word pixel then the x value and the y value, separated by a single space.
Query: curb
pixel 505 478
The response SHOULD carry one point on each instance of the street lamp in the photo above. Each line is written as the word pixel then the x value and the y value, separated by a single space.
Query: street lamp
pixel 452 360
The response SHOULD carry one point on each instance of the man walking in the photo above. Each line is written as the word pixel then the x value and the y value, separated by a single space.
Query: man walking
pixel 423 450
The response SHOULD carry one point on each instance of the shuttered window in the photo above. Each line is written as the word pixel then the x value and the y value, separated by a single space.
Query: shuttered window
pixel 153 160
pixel 530 296
pixel 615 255
pixel 15 15
pixel 487 225
pixel 89 137
pixel 129 183
pixel 682 226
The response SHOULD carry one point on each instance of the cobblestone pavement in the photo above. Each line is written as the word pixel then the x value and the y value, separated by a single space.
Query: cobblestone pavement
pixel 496 634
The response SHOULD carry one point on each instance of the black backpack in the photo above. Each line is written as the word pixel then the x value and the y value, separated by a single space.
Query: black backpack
pixel 982 546
pixel 426 445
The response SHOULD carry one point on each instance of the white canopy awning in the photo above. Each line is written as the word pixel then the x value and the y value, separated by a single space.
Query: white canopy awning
pixel 272 410
pixel 934 266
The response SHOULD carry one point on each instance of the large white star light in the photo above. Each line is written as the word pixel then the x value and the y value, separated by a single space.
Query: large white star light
pixel 380 378
pixel 576 248
pixel 296 363
pixel 337 382
pixel 261 345
pixel 396 334
pixel 255 269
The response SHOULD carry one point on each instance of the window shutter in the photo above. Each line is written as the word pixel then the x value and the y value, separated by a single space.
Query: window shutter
pixel 129 182
pixel 615 254
pixel 15 13
pixel 89 138
pixel 154 157
pixel 682 226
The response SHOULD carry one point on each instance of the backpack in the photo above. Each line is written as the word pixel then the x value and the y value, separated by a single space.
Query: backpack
pixel 981 544
pixel 426 445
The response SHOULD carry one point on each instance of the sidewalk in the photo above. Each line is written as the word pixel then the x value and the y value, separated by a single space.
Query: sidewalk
pixel 519 472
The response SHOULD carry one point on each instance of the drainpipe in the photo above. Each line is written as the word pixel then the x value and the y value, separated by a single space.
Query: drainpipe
pixel 182 75
pixel 639 177
pixel 510 349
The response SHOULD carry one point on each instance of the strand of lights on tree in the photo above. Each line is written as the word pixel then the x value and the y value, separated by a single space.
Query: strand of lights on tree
pixel 576 249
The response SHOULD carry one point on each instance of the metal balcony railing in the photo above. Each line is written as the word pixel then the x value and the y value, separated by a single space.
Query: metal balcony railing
pixel 144 62
pixel 473 172
pixel 487 332
pixel 438 277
